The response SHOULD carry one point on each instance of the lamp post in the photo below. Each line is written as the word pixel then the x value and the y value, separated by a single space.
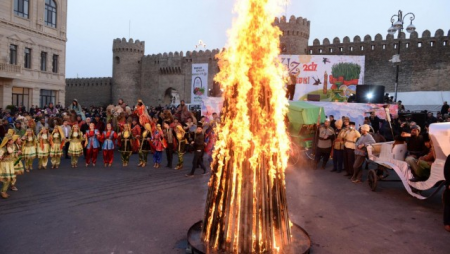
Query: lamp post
pixel 398 26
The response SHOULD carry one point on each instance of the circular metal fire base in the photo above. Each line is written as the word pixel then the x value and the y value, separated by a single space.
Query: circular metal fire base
pixel 301 242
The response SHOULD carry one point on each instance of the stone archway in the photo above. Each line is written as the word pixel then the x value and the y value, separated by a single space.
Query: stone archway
pixel 171 96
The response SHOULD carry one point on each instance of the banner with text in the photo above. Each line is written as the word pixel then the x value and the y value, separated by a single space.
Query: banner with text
pixel 199 83
pixel 330 78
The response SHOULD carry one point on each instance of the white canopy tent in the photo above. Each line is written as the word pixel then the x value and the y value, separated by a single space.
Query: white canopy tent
pixel 423 100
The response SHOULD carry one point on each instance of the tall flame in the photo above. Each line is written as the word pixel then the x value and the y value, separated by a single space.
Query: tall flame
pixel 246 210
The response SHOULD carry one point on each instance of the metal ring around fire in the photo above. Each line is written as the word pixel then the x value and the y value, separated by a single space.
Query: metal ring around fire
pixel 301 241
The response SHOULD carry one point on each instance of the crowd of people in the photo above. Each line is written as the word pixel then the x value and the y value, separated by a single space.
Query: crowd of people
pixel 56 132
pixel 347 146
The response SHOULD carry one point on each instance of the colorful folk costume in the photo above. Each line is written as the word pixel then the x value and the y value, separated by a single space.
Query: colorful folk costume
pixel 92 144
pixel 181 147
pixel 18 165
pixel 125 138
pixel 141 111
pixel 159 143
pixel 109 138
pixel 57 139
pixel 43 148
pixel 146 145
pixel 136 131
pixel 7 158
pixel 29 153
pixel 75 147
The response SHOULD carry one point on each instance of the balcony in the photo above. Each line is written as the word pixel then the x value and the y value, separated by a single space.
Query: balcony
pixel 6 68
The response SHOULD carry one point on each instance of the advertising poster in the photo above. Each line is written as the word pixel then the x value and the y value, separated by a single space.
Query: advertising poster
pixel 331 78
pixel 199 83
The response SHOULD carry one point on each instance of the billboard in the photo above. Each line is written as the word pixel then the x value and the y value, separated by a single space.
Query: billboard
pixel 199 87
pixel 334 78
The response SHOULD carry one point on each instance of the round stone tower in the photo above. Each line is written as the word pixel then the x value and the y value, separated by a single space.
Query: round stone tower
pixel 127 58
pixel 294 40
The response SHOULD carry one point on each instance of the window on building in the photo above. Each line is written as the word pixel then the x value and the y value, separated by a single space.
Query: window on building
pixel 330 50
pixel 27 58
pixel 361 48
pixel 55 63
pixel 351 48
pixel 341 49
pixel 372 47
pixel 20 96
pixel 43 61
pixel 50 13
pixel 13 54
pixel 21 8
pixel 46 97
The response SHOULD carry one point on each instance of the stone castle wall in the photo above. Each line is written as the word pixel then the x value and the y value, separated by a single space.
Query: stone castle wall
pixel 425 65
pixel 425 60
pixel 89 91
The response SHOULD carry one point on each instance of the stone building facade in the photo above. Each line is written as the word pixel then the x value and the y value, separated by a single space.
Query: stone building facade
pixel 89 91
pixel 156 78
pixel 32 52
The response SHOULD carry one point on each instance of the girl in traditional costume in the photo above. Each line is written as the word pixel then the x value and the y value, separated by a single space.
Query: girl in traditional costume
pixel 7 158
pixel 43 148
pixel 75 147
pixel 158 142
pixel 57 139
pixel 146 145
pixel 136 131
pixel 125 138
pixel 18 165
pixel 108 138
pixel 29 143
pixel 181 147
pixel 141 111
pixel 92 144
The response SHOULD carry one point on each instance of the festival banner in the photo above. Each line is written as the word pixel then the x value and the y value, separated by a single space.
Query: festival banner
pixel 199 83
pixel 331 78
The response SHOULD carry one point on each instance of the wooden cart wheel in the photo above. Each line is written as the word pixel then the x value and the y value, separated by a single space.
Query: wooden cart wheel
pixel 372 179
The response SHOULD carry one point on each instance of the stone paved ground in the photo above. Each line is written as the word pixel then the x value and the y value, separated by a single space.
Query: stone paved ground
pixel 135 210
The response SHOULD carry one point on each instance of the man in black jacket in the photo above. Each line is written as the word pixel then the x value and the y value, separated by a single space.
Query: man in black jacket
pixel 199 146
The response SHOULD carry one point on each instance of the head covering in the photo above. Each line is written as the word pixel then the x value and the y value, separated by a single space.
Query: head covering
pixel 338 123
pixel 327 120
pixel 147 127
pixel 415 127
pixel 75 100
pixel 346 118
pixel 5 140
pixel 11 132
pixel 15 137
pixel 351 123
pixel 365 127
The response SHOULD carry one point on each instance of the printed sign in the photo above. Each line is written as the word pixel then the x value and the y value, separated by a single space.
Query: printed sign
pixel 330 78
pixel 199 83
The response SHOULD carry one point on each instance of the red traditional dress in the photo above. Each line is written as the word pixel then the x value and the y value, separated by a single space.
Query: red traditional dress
pixel 108 139
pixel 136 131
pixel 142 113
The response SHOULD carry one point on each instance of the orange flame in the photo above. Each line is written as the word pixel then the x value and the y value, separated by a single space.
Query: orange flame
pixel 247 197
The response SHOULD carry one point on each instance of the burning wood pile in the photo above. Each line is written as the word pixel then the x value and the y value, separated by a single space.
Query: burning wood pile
pixel 246 209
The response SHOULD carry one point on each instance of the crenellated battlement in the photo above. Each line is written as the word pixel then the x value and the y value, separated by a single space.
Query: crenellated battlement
pixel 292 20
pixel 122 45
pixel 378 43
pixel 190 56
pixel 89 82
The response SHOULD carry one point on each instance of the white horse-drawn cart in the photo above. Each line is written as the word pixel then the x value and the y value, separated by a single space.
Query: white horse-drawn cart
pixel 389 158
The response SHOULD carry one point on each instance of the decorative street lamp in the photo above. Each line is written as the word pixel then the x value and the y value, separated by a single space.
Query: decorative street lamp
pixel 398 26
